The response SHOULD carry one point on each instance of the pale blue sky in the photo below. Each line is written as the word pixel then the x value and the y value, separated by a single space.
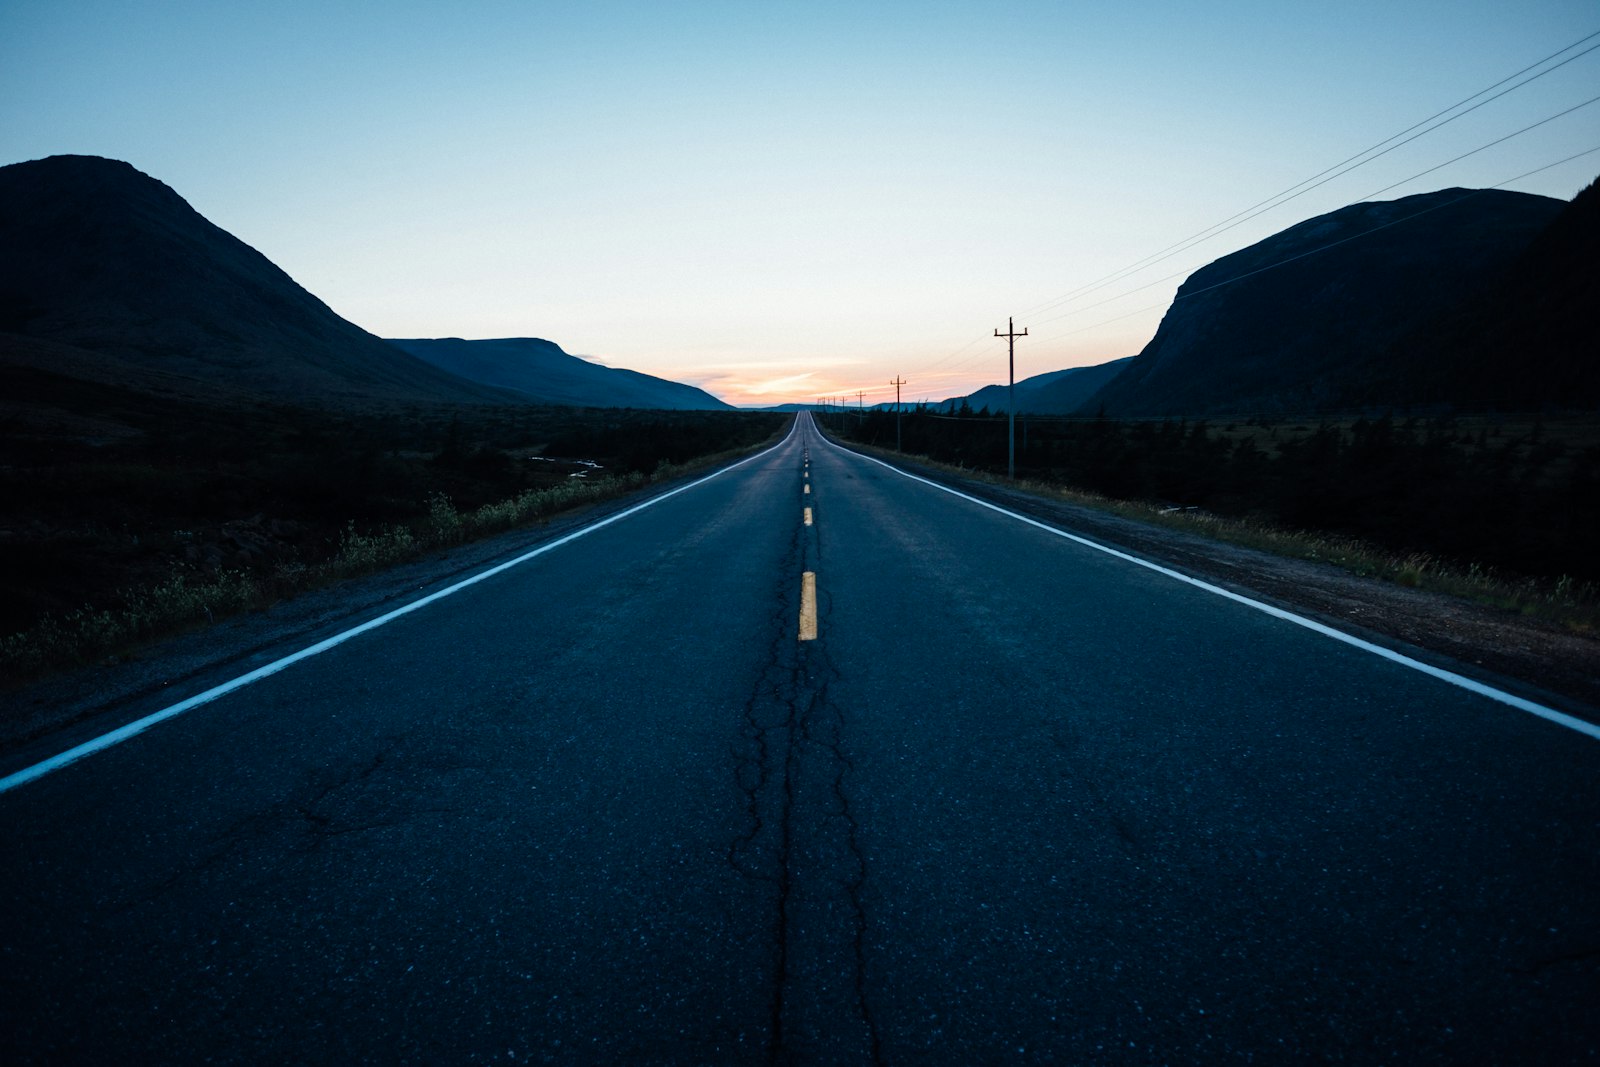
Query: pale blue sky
pixel 793 199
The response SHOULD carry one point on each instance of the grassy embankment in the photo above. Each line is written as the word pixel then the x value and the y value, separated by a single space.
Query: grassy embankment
pixel 184 516
pixel 1497 509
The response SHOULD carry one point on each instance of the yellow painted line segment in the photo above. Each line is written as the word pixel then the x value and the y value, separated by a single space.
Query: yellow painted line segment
pixel 808 516
pixel 808 489
pixel 808 606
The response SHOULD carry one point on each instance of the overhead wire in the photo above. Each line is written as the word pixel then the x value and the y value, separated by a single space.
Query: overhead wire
pixel 1381 148
pixel 1481 148
pixel 1337 170
pixel 1369 196
pixel 1468 194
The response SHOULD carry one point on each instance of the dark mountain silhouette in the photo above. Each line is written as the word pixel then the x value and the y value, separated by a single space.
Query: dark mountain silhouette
pixel 539 370
pixel 1057 392
pixel 1530 340
pixel 108 275
pixel 1304 320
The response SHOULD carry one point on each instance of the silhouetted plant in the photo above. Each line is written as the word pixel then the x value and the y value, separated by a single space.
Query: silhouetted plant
pixel 1516 502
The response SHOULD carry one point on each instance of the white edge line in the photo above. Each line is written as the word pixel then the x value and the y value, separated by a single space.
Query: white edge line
pixel 138 726
pixel 1571 722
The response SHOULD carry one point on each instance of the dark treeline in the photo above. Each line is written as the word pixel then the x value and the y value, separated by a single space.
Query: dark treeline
pixel 641 441
pixel 186 488
pixel 1512 496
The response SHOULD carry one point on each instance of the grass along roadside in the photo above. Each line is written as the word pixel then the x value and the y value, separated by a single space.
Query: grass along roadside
pixel 1574 606
pixel 191 598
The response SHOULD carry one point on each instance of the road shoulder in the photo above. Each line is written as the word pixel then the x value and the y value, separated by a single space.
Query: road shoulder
pixel 1523 656
pixel 60 710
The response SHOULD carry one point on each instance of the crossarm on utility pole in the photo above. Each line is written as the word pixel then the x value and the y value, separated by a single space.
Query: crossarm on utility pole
pixel 897 383
pixel 1011 336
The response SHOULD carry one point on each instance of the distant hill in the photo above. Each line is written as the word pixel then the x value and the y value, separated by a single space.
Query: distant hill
pixel 539 370
pixel 1057 392
pixel 1529 340
pixel 107 275
pixel 1306 319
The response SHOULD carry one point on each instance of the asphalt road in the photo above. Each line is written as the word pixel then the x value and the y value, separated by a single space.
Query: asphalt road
pixel 1018 801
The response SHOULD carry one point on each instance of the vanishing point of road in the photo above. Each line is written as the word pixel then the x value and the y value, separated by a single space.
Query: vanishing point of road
pixel 814 762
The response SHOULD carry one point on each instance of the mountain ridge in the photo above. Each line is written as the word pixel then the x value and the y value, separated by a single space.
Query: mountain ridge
pixel 108 275
pixel 1056 392
pixel 1289 323
pixel 99 257
pixel 542 371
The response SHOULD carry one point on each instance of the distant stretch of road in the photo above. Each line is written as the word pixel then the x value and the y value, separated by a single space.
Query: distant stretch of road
pixel 812 762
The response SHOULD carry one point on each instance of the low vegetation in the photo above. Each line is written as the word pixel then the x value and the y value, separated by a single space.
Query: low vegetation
pixel 188 515
pixel 1500 509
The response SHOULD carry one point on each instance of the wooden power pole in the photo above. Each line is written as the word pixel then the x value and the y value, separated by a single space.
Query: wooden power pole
pixel 897 383
pixel 1011 336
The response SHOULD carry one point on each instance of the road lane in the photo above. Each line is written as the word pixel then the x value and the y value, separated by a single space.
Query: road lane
pixel 100 739
pixel 1017 800
pixel 1105 814
pixel 501 824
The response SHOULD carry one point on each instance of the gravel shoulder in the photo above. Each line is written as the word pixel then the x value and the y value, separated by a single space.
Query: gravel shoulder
pixel 1523 656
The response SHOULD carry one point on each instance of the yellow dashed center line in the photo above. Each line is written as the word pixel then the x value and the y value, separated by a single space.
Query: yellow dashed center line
pixel 808 516
pixel 808 606
pixel 808 489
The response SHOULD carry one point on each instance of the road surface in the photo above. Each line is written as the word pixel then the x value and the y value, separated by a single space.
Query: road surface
pixel 1018 800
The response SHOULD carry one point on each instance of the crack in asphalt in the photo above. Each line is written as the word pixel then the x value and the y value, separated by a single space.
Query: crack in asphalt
pixel 789 726
pixel 281 814
pixel 775 687
pixel 826 730
pixel 762 851
pixel 320 824
pixel 1580 956
pixel 1066 747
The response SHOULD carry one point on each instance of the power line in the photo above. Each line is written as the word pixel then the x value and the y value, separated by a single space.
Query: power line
pixel 1483 147
pixel 1547 166
pixel 1334 244
pixel 1369 196
pixel 1416 131
pixel 1327 175
pixel 939 362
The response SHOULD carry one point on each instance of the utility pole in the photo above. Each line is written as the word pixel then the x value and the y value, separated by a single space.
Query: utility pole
pixel 897 383
pixel 1011 336
pixel 861 411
